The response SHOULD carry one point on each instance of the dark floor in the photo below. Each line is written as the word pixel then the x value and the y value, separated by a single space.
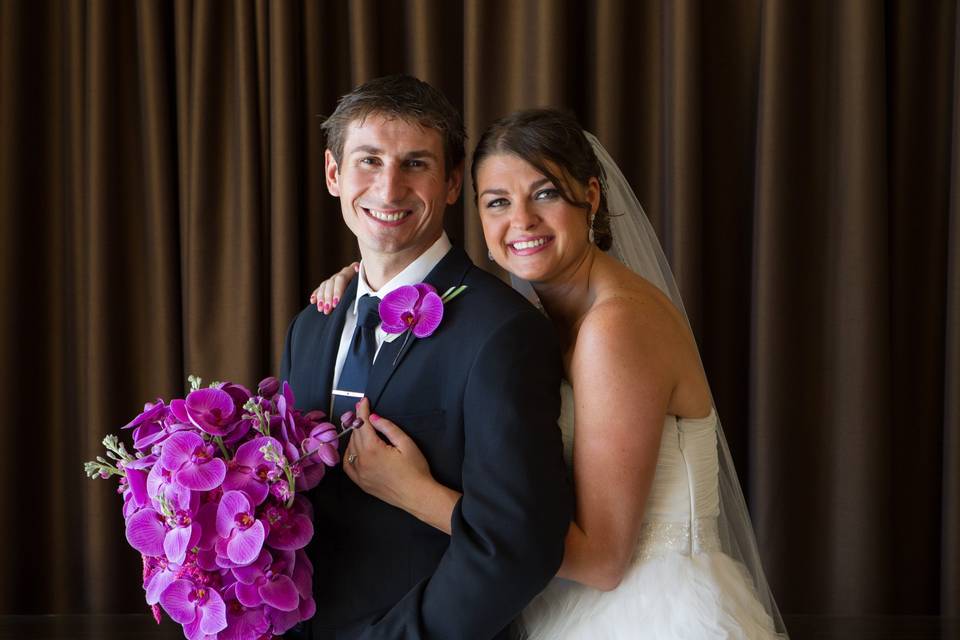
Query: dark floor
pixel 142 627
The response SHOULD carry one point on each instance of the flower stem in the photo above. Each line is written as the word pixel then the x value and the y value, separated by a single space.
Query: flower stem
pixel 290 482
pixel 452 293
pixel 223 448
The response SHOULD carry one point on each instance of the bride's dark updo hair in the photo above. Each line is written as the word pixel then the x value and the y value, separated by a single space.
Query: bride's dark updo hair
pixel 549 138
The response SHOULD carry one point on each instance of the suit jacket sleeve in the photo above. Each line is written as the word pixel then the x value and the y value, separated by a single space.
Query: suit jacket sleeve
pixel 286 359
pixel 508 528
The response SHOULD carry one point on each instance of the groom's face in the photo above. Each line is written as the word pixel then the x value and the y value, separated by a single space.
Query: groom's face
pixel 393 186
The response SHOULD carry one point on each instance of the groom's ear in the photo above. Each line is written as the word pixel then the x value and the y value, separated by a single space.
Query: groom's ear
pixel 454 183
pixel 331 172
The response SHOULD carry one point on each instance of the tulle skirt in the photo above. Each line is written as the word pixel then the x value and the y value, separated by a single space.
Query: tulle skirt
pixel 674 596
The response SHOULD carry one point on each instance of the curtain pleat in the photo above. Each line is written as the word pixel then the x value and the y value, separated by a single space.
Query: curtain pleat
pixel 163 212
pixel 950 504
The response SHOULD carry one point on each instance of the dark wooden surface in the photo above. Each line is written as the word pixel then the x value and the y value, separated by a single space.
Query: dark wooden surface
pixel 872 628
pixel 142 627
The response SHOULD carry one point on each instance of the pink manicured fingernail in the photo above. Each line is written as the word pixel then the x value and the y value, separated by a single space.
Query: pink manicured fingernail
pixel 336 301
pixel 326 306
pixel 374 417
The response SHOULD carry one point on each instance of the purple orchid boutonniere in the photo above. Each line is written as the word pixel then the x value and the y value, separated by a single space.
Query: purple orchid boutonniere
pixel 414 309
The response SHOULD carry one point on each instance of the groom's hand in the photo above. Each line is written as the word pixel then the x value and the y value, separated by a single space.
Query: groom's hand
pixel 396 471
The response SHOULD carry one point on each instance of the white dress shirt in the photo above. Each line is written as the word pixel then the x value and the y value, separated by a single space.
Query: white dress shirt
pixel 414 273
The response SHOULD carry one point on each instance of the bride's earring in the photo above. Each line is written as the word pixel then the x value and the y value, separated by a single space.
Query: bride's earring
pixel 590 231
pixel 490 255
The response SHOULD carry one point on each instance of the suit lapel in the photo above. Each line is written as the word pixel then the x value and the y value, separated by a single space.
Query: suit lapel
pixel 449 272
pixel 329 345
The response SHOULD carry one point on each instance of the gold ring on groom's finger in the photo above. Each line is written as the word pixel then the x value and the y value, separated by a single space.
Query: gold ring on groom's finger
pixel 352 458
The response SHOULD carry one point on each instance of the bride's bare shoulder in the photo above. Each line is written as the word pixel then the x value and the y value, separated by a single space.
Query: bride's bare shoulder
pixel 623 296
pixel 633 318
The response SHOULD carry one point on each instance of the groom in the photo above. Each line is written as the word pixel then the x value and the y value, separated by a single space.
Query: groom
pixel 479 396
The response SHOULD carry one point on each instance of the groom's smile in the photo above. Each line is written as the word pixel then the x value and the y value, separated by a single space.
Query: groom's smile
pixel 393 188
pixel 389 216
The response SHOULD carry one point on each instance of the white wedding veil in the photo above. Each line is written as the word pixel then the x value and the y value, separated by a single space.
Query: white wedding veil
pixel 635 245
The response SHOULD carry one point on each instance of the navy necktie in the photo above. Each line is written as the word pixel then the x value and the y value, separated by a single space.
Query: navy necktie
pixel 363 347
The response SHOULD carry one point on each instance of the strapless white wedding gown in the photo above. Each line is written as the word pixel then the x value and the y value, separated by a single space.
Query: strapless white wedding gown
pixel 680 584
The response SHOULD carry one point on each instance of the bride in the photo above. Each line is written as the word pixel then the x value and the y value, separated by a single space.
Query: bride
pixel 662 545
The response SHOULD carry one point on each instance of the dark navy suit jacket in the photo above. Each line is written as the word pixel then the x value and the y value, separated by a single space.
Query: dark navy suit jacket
pixel 481 399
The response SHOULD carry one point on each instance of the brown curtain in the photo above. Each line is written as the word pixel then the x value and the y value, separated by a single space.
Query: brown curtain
pixel 162 212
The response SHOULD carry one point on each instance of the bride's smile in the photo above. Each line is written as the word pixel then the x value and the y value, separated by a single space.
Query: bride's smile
pixel 529 245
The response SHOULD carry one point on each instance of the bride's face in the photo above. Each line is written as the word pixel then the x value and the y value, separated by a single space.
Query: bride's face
pixel 530 230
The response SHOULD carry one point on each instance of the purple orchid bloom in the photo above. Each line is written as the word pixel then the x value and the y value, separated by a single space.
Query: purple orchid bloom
pixel 315 417
pixel 172 536
pixel 290 529
pixel 191 461
pixel 183 534
pixel 249 471
pixel 289 428
pixel 133 487
pixel 161 487
pixel 178 409
pixel 242 622
pixel 136 473
pixel 207 560
pixel 148 427
pixel 238 392
pixel 239 529
pixel 280 491
pixel 322 441
pixel 268 387
pixel 303 574
pixel 414 307
pixel 162 575
pixel 240 430
pixel 319 451
pixel 287 391
pixel 264 581
pixel 145 532
pixel 211 411
pixel 129 506
pixel 207 519
pixel 199 608
pixel 152 412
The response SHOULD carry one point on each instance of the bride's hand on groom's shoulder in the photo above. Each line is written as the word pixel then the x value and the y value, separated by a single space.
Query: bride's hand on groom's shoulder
pixel 327 295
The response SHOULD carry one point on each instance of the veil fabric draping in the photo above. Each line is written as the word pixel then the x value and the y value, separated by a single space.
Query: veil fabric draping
pixel 635 245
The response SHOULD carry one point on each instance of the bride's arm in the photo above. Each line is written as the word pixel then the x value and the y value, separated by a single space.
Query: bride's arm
pixel 621 370
pixel 622 374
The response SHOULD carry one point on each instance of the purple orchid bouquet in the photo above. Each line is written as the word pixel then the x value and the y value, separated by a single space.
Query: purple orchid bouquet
pixel 211 501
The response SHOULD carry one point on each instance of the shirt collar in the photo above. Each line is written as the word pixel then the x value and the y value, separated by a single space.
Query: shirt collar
pixel 414 272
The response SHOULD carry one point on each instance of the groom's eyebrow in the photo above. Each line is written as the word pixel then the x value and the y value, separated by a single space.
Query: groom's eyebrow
pixel 416 154
pixel 367 148
pixel 419 154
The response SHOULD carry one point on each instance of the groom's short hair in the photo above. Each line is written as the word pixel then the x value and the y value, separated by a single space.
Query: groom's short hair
pixel 399 96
